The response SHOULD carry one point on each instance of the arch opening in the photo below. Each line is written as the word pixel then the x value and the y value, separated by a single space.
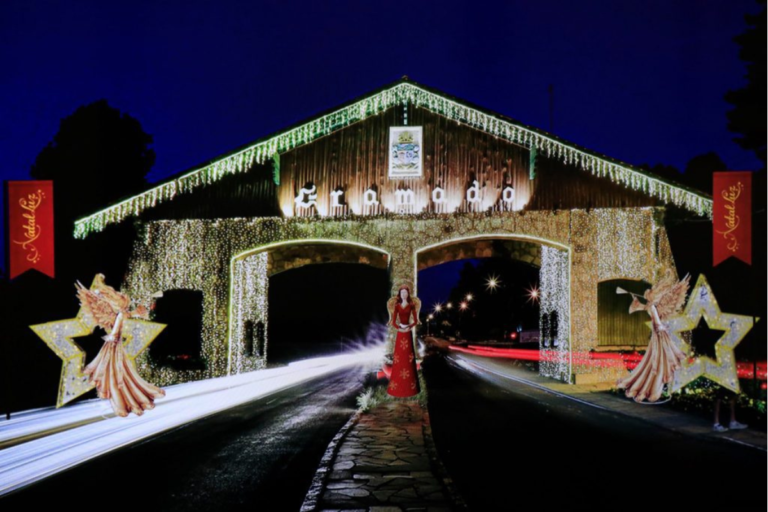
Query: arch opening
pixel 281 283
pixel 521 291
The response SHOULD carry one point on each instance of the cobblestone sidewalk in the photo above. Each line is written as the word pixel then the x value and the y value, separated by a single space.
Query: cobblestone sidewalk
pixel 381 464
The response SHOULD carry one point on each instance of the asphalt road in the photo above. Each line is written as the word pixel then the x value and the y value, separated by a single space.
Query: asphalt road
pixel 259 456
pixel 506 444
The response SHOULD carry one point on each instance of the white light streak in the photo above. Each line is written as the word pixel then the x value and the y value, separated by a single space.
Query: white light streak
pixel 34 460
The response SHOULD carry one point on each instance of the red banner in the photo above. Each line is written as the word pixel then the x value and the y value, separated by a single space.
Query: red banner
pixel 30 226
pixel 732 216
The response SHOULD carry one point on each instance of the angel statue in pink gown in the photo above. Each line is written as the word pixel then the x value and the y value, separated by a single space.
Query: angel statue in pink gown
pixel 111 371
pixel 663 357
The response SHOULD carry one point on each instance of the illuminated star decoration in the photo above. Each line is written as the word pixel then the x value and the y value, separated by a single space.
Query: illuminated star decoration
pixel 722 369
pixel 58 335
pixel 492 283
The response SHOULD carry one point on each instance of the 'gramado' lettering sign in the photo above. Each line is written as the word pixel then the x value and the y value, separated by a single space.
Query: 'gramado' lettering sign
pixel 404 198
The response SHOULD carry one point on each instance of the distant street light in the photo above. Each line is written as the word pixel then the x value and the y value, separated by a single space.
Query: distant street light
pixel 533 294
pixel 469 297
pixel 492 283
pixel 463 306
pixel 438 307
pixel 449 305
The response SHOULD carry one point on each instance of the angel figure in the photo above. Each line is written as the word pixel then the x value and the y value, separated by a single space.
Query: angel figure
pixel 111 371
pixel 663 357
pixel 404 315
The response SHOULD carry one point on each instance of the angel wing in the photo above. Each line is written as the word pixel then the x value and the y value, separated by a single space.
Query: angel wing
pixel 391 308
pixel 118 300
pixel 673 298
pixel 417 303
pixel 662 286
pixel 96 308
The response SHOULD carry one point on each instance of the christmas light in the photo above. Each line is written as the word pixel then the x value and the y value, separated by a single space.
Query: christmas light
pixel 218 258
pixel 554 313
pixel 722 369
pixel 59 336
pixel 399 94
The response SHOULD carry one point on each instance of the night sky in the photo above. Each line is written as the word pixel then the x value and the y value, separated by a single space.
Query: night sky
pixel 641 81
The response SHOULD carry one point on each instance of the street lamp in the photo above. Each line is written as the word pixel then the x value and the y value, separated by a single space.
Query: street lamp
pixel 492 283
pixel 469 297
pixel 533 294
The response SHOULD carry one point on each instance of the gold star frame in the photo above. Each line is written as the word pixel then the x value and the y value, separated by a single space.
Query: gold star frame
pixel 58 335
pixel 722 369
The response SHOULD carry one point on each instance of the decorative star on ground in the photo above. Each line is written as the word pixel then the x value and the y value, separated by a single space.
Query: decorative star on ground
pixel 722 369
pixel 58 335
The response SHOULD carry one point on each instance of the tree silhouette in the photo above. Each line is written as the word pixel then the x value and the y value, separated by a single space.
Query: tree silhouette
pixel 698 172
pixel 747 118
pixel 98 157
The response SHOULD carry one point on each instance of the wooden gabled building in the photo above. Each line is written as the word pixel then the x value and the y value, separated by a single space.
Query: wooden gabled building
pixel 402 178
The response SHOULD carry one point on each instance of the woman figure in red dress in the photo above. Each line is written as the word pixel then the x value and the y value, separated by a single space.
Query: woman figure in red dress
pixel 404 311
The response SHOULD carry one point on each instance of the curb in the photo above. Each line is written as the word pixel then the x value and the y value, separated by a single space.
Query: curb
pixel 326 465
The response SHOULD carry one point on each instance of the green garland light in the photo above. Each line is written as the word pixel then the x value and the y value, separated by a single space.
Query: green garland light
pixel 399 94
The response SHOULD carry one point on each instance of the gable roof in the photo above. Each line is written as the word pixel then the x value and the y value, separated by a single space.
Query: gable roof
pixel 402 92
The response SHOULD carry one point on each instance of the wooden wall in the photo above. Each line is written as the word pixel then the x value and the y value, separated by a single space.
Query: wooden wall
pixel 615 325
pixel 355 159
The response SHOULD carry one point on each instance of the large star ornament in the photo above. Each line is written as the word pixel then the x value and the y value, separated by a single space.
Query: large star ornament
pixel 722 369
pixel 58 335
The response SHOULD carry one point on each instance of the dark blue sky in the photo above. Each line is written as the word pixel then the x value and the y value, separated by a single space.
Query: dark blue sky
pixel 641 81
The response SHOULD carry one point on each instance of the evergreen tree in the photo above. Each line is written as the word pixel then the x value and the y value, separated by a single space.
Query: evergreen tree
pixel 747 118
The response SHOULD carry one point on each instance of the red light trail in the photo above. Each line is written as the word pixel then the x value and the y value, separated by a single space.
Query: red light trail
pixel 744 369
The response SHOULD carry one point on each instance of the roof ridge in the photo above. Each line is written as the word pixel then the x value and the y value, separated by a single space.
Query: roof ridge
pixel 401 91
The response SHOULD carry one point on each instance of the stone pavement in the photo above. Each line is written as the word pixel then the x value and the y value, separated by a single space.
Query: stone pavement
pixel 382 461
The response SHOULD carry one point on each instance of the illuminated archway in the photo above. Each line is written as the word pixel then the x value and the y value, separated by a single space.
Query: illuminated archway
pixel 554 261
pixel 249 283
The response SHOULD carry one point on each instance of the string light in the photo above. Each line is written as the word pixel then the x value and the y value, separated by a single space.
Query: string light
pixel 206 254
pixel 722 369
pixel 554 313
pixel 59 336
pixel 399 94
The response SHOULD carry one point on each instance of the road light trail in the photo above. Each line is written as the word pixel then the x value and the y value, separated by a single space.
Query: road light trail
pixel 34 460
